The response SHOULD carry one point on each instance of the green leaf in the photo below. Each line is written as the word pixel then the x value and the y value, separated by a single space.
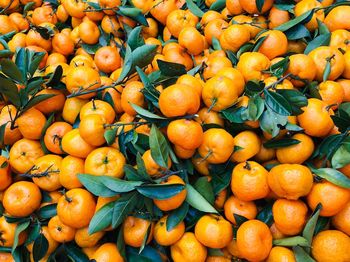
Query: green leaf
pixel 284 142
pixel 102 218
pixel 19 229
pixel 34 232
pixel 341 157
pixel 301 255
pixel 55 77
pixel 141 169
pixel 256 107
pixel 10 69
pixel 322 224
pixel 118 185
pixel 310 226
pixel 296 99
pixel 171 69
pixel 34 59
pixel 160 191
pixel 9 89
pixel 48 211
pixel 304 18
pixel 196 200
pixel 327 71
pixel 334 176
pixel 321 40
pixel 95 185
pixel 40 247
pixel 145 113
pixel 220 182
pixel 36 100
pixel 265 215
pixel 123 207
pixel 253 87
pixel 284 7
pixel 233 114
pixel 259 4
pixel 277 103
pixel 292 241
pixel 218 5
pixel 216 44
pixel 133 13
pixel 204 187
pixel 159 147
pixel 194 8
pixel 75 253
pixel 258 42
pixel 110 135
pixel 297 32
pixel 176 216
pixel 5 53
pixel 135 38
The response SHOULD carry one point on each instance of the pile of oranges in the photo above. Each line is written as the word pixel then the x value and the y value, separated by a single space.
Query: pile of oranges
pixel 175 130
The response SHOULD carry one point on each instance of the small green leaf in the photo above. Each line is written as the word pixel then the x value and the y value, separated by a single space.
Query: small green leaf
pixel 123 207
pixel 297 32
pixel 110 135
pixel 218 5
pixel 95 185
pixel 48 211
pixel 160 191
pixel 256 107
pixel 277 103
pixel 159 147
pixel 341 157
pixel 144 241
pixel 334 176
pixel 75 253
pixel 102 218
pixel 278 143
pixel 301 255
pixel 118 185
pixel 34 232
pixel 265 215
pixel 19 229
pixel 259 4
pixel 135 38
pixel 327 71
pixel 216 44
pixel 10 69
pixel 239 219
pixel 40 247
pixel 171 69
pixel 259 42
pixel 9 89
pixel 292 241
pixel 176 216
pixel 204 187
pixel 133 13
pixel 145 113
pixel 196 200
pixel 310 226
pixel 304 18
pixel 194 8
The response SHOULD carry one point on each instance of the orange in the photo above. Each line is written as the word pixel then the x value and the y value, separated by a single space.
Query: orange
pixel 34 38
pixel 75 8
pixel 332 197
pixel 235 75
pixel 110 25
pixel 19 21
pixel 145 6
pixel 53 104
pixel 110 4
pixel 178 100
pixel 175 53
pixel 233 205
pixel 7 25
pixel 165 237
pixel 62 44
pixel 62 14
pixel 105 161
pixel 53 244
pixel 254 240
pixel 188 248
pixel 265 154
pixel 55 58
pixel 289 216
pixel 318 112
pixel 11 135
pixel 306 5
pixel 31 124
pixel 72 108
pixel 346 72
pixel 44 14
pixel 190 35
pixel 332 93
pixel 341 220
pixel 214 28
pixel 211 117
pixel 278 254
pixel 340 38
pixel 84 239
pixel 151 30
pixel 290 181
pixel 179 19
pixel 194 82
pixel 249 181
pixel 161 9
pixel 46 172
pixel 215 64
pixel 59 231
pixel 92 129
pixel 234 37
pixel 70 167
pixel 247 144
pixel 277 17
pixel 54 134
pixel 275 44
pixel 338 18
pixel 73 144
pixel 76 208
pixel 210 15
pixel 82 79
pixel 234 7
pixel 5 173
pixel 23 154
pixel 217 146
pixel 18 40
pixel 331 245
pixel 251 7
pixel 213 231
pixel 321 55
pixel 297 64
pixel 152 168
pixel 21 199
pixel 6 257
pixel 185 133
pixel 8 233
pixel 253 24
pixel 107 59
pixel 135 230
pixel 98 107
pixel 251 65
pixel 276 234
pixel 132 93
pixel 174 201
pixel 107 252
pixel 10 5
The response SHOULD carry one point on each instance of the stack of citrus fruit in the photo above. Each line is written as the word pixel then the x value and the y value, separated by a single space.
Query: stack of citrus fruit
pixel 175 130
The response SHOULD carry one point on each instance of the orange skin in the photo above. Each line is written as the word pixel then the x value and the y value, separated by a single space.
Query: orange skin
pixel 281 254
pixel 19 21
pixel 274 45
pixel 214 28
pixel 233 205
pixel 135 230
pixel 265 154
pixel 6 257
pixel 62 44
pixel 18 40
pixel 107 59
pixel 345 84
pixel 71 108
pixel 161 9
pixel 338 18
pixel 306 5
pixel 111 25
pixel 316 112
pixel 21 199
pixel 251 64
pixel 132 93
pixel 346 72
pixel 277 17
pixel 7 113
pixel 234 7
pixel 253 24
pixel 341 220
pixel 183 153
pixel 297 63
pixel 175 53
pixel 98 107
pixel 251 7
pixel 152 168
pixel 254 240
pixel 92 129
pixel 249 144
pixel 34 38
pixel 53 104
pixel 59 231
pixel 54 134
pixel 188 248
pixel 53 244
pixel 214 65
pixel 44 14
pixel 7 25
pixel 23 154
pixel 217 146
pixel 210 16
pixel 75 8
pixel 151 30
pixel 213 231
pixel 62 14
pixel 340 39
pixel 31 124
pixel 290 181
pixel 51 164
pixel 212 117
pixel 8 233
pixel 234 75
pixel 331 93
pixel 190 35
pixel 73 144
pixel 194 82
pixel 276 234
pixel 333 198
pixel 84 239
pixel 70 167
pixel 234 37
pixel 109 4
pixel 55 58
pixel 185 133
pixel 11 5
pixel 179 19
pixel 249 181
pixel 107 252
pixel 5 173
pixel 167 238
pixel 174 201
pixel 105 161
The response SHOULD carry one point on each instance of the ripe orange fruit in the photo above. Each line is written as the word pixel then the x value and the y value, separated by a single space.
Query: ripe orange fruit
pixel 8 233
pixel 247 144
pixel 98 107
pixel 306 5
pixel 107 252
pixel 185 133
pixel 11 135
pixel 5 173
pixel 161 9
pixel 281 254
pixel 254 240
pixel 251 7
pixel 84 239
pixel 179 19
pixel 92 128
pixel 188 248
pixel 253 24
pixel 53 244
pixel 338 18
pixel 76 208
pixel 107 59
pixel 152 168
pixel 165 237
pixel 175 53
pixel 331 245
pixel 277 17
pixel 53 104
pixel 233 205
pixel 31 124
pixel 275 44
pixel 7 25
pixel 72 108
pixel 214 28
pixel 341 220
pixel 332 93
pixel 135 230
pixel 21 199
pixel 249 181
pixel 290 181
pixel 174 201
pixel 62 44
pixel 132 93
pixel 54 134
pixel 251 65
pixel 75 8
pixel 59 231
pixel 340 39
pixel 190 35
pixel 73 144
pixel 215 64
pixel 234 37
pixel 211 117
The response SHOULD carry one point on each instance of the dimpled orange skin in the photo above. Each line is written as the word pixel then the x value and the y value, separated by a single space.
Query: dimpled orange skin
pixel 54 134
pixel 251 64
pixel 331 245
pixel 316 112
pixel 70 167
pixel 165 237
pixel 132 93
pixel 98 107
pixel 275 44
pixel 249 181
pixel 341 220
pixel 5 173
pixel 11 135
pixel 108 252
pixel 72 108
pixel 8 233
pixel 76 208
pixel 297 64
pixel 31 124
pixel 233 205
pixel 92 129
pixel 21 199
pixel 290 181
pixel 135 230
pixel 248 145
pixel 73 144
pixel 279 254
pixel 84 239
pixel 59 231
pixel 251 7
pixel 338 18
pixel 234 37
pixel 217 146
pixel 254 240
pixel 188 248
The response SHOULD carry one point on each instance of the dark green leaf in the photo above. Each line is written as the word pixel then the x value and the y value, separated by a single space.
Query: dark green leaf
pixel 341 157
pixel 218 5
pixel 292 241
pixel 118 185
pixel 322 224
pixel 239 219
pixel 327 71
pixel 301 255
pixel 95 185
pixel 277 103
pixel 296 99
pixel 135 38
pixel 144 241
pixel 220 182
pixel 9 89
pixel 160 191
pixel 48 211
pixel 196 200
pixel 284 7
pixel 34 231
pixel 194 8
pixel 204 187
pixel 258 42
pixel 171 69
pixel 102 218
pixel 10 69
pixel 253 87
pixel 234 114
pixel 110 135
pixel 256 107
pixel 304 18
pixel 259 4
pixel 123 207
pixel 159 147
pixel 284 142
pixel 19 229
pixel 145 113
pixel 297 32
pixel 310 226
pixel 40 247
pixel 141 169
pixel 75 253
pixel 334 176
pixel 216 44
pixel 176 216
pixel 133 13
pixel 55 78
pixel 265 215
